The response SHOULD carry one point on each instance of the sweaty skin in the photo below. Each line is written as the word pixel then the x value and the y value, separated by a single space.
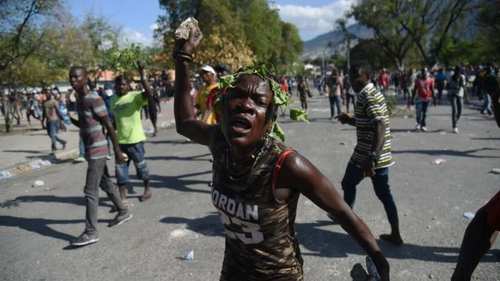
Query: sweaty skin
pixel 78 79
pixel 249 103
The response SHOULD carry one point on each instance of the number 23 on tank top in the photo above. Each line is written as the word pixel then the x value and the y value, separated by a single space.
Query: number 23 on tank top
pixel 250 232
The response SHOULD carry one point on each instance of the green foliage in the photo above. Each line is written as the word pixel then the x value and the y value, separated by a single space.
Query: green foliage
pixel 298 114
pixel 238 32
pixel 400 26
pixel 125 60
pixel 488 39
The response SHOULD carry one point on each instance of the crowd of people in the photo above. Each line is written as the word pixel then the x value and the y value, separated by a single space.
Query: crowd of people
pixel 257 179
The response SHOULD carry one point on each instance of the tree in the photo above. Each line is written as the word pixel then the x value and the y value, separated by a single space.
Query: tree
pixel 19 37
pixel 488 23
pixel 426 23
pixel 239 32
pixel 389 34
pixel 367 52
pixel 102 36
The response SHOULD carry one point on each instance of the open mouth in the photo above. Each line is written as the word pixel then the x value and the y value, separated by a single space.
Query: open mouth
pixel 240 124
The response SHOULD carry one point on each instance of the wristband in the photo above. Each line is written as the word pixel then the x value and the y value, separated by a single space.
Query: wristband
pixel 182 56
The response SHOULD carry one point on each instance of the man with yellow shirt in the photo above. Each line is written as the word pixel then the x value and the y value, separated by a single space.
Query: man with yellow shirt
pixel 126 106
pixel 207 95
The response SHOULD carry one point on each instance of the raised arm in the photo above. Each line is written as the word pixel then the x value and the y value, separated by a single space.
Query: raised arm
pixel 300 175
pixel 145 84
pixel 185 118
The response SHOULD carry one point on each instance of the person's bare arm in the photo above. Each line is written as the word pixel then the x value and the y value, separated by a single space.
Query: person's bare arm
pixel 300 175
pixel 74 121
pixel 185 118
pixel 475 244
pixel 106 123
pixel 144 82
pixel 345 118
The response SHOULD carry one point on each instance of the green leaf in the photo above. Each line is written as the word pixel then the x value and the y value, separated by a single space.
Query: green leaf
pixel 277 132
pixel 298 115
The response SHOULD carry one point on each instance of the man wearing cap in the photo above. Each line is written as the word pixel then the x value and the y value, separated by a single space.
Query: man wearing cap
pixel 207 95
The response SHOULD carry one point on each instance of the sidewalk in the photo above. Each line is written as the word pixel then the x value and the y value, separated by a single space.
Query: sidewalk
pixel 28 148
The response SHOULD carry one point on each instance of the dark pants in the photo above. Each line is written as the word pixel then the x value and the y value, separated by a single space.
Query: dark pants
pixel 303 101
pixel 135 152
pixel 440 88
pixel 456 109
pixel 335 101
pixel 52 130
pixel 421 109
pixel 98 175
pixel 354 175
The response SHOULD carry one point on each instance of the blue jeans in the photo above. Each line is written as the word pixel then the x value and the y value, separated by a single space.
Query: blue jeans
pixel 335 101
pixel 354 175
pixel 486 104
pixel 456 109
pixel 135 152
pixel 81 148
pixel 421 112
pixel 52 130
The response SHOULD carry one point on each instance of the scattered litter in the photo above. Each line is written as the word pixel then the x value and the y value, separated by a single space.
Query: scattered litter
pixel 495 171
pixel 439 161
pixel 5 175
pixel 38 164
pixel 469 215
pixel 38 183
pixel 442 133
pixel 405 117
pixel 180 232
pixel 189 256
pixel 342 143
pixel 372 270
pixel 430 276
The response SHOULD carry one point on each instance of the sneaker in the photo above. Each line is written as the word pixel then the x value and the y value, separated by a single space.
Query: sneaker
pixel 79 159
pixel 108 157
pixel 455 130
pixel 85 239
pixel 417 127
pixel 64 145
pixel 120 219
pixel 424 129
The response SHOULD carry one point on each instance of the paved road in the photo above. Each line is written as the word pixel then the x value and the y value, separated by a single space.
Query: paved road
pixel 37 223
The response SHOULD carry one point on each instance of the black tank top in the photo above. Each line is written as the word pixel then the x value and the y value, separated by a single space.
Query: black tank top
pixel 260 236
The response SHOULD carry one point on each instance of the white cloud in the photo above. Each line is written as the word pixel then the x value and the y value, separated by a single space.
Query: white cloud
pixel 312 21
pixel 153 26
pixel 130 36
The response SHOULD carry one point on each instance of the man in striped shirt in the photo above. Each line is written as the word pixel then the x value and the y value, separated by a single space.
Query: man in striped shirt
pixel 92 117
pixel 372 154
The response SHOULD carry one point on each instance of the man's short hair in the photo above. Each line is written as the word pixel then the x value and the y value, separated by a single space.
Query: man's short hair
pixel 78 67
pixel 360 69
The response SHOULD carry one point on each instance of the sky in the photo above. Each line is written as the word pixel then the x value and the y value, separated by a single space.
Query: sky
pixel 137 17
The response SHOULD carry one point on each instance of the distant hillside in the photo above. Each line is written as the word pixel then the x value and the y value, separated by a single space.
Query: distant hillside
pixel 313 48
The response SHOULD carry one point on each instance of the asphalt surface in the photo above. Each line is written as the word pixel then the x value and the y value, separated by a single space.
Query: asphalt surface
pixel 37 223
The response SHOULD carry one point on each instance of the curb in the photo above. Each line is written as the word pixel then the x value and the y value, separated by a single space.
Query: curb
pixel 57 158
pixel 37 164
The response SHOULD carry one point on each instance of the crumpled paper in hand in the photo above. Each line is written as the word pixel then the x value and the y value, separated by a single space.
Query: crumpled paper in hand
pixel 190 25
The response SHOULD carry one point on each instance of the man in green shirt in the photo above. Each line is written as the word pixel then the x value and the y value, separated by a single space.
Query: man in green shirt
pixel 126 106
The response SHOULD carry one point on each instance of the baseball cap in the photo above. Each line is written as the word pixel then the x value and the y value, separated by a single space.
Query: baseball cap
pixel 208 68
